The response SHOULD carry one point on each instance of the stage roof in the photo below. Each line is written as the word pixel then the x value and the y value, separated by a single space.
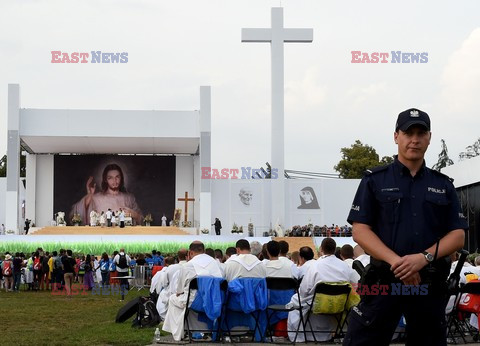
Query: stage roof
pixel 51 131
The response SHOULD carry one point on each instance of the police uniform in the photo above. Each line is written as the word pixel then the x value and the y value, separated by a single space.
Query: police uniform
pixel 408 214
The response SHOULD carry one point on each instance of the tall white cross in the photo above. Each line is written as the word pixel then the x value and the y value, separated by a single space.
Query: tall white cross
pixel 277 35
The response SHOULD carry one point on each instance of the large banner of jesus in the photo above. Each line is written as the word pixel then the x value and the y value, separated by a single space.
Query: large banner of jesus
pixel 139 185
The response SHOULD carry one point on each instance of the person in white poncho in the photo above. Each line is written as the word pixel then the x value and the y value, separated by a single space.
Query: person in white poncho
pixel 244 264
pixel 327 268
pixel 199 264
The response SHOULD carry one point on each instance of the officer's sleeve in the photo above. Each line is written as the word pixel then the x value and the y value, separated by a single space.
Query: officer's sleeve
pixel 456 219
pixel 363 204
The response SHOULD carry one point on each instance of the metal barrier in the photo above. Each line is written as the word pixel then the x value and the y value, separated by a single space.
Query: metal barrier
pixel 143 277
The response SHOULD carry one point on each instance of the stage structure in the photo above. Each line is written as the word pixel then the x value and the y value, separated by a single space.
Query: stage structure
pixel 71 154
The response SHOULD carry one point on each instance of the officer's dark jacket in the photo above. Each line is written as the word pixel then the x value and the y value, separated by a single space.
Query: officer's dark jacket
pixel 408 214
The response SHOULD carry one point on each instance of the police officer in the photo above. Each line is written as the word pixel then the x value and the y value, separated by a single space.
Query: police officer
pixel 408 218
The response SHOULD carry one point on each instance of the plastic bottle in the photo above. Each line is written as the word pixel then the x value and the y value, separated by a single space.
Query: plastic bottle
pixel 157 335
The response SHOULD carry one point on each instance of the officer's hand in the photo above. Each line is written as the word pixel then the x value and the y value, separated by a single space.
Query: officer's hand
pixel 408 265
pixel 415 279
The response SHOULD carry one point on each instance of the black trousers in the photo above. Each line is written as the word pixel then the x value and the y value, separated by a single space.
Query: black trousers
pixel 374 321
pixel 217 231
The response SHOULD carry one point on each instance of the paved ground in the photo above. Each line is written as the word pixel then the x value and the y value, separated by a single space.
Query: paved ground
pixel 168 340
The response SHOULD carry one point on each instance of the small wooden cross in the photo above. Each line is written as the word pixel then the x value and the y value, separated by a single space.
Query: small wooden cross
pixel 186 200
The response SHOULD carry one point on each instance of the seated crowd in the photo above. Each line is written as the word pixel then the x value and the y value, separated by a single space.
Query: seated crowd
pixel 252 260
pixel 320 231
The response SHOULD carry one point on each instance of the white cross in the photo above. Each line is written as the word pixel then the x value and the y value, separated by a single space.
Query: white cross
pixel 277 36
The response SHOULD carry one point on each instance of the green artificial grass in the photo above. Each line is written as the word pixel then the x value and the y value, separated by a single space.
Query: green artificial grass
pixel 97 248
pixel 41 318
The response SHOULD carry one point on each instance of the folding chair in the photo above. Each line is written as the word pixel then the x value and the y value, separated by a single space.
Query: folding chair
pixel 330 299
pixel 284 285
pixel 467 302
pixel 198 306
pixel 245 306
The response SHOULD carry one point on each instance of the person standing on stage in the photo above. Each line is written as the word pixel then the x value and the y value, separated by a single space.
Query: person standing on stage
pixel 27 226
pixel 121 218
pixel 218 226
pixel 408 218
pixel 108 215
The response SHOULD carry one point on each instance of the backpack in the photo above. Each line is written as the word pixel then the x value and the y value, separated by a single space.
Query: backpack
pixel 122 262
pixel 7 268
pixel 37 264
pixel 58 262
pixel 147 314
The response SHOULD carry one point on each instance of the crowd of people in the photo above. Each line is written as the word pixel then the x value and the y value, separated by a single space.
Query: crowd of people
pixel 54 271
pixel 42 270
pixel 109 218
pixel 319 231
pixel 254 260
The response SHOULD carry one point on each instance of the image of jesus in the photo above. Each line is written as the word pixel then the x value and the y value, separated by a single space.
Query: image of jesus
pixel 113 195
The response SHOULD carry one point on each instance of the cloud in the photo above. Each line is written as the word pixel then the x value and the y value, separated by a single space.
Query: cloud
pixel 305 94
pixel 461 76
pixel 364 95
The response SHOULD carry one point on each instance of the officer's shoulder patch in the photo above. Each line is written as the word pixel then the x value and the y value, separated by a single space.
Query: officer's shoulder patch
pixel 440 174
pixel 375 170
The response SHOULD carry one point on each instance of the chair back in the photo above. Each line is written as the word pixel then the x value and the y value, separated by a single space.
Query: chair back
pixel 281 284
pixel 210 296
pixel 472 287
pixel 330 297
pixel 193 284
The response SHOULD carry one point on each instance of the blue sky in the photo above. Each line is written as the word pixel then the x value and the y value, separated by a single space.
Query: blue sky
pixel 176 46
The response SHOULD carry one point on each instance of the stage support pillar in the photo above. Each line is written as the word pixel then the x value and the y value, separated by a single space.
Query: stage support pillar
pixel 205 158
pixel 12 204
pixel 31 188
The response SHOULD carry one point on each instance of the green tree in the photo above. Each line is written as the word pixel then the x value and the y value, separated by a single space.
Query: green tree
pixel 471 151
pixel 3 166
pixel 386 160
pixel 443 159
pixel 358 158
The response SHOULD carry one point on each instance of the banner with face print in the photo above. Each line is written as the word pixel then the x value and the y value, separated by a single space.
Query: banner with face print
pixel 139 185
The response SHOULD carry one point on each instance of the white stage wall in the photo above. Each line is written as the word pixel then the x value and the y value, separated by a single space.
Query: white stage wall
pixel 44 191
pixel 334 197
pixel 3 201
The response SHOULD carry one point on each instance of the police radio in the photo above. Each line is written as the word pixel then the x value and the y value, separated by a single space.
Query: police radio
pixel 454 279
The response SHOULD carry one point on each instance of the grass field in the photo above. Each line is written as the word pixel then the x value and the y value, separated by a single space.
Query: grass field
pixel 40 318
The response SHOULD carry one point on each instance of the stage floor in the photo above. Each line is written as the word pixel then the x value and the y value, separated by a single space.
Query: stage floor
pixel 137 230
